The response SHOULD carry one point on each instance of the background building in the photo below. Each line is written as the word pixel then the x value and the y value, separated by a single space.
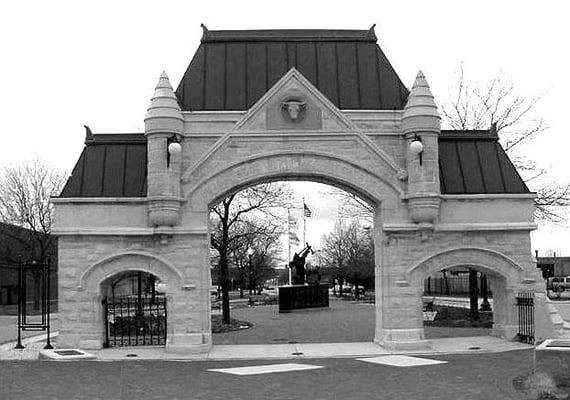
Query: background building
pixel 19 243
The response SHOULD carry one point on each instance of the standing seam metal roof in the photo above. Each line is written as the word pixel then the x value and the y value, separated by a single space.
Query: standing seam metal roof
pixel 110 166
pixel 473 162
pixel 232 70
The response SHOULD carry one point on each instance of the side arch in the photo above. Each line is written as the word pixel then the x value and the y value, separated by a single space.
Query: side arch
pixel 485 259
pixel 104 269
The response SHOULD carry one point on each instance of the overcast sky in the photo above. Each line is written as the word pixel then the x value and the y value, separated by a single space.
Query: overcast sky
pixel 69 63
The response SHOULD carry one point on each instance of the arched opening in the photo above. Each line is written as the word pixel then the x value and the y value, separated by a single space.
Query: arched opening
pixel 340 229
pixel 110 288
pixel 134 309
pixel 444 281
pixel 458 302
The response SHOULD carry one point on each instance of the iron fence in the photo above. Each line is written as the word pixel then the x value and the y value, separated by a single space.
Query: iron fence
pixel 454 285
pixel 525 306
pixel 135 320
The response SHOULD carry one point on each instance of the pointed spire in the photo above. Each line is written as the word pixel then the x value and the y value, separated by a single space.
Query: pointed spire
pixel 163 81
pixel 164 102
pixel 164 97
pixel 420 111
pixel 420 100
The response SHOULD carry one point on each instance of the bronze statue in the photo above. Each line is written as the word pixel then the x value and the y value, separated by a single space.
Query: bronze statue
pixel 299 264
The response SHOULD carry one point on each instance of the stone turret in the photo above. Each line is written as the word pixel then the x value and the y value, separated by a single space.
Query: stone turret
pixel 163 125
pixel 421 122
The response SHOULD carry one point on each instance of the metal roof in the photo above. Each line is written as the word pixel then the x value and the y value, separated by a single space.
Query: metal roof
pixel 471 162
pixel 232 70
pixel 111 165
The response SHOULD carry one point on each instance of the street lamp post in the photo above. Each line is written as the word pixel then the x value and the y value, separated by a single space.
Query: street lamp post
pixel 249 254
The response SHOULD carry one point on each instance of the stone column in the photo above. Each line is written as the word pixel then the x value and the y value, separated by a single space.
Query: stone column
pixel 421 122
pixel 163 121
pixel 379 269
pixel 403 320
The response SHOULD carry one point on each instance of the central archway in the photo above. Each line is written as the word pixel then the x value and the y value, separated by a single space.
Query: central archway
pixel 382 192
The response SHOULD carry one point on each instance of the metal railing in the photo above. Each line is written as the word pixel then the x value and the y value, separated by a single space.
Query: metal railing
pixel 525 306
pixel 135 321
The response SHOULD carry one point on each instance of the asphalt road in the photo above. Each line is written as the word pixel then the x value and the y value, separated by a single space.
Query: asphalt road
pixel 475 376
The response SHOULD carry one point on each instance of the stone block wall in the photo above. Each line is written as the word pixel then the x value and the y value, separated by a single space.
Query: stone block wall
pixel 87 262
pixel 410 257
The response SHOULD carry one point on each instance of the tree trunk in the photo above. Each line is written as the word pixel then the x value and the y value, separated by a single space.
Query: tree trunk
pixel 225 289
pixel 473 295
pixel 485 306
pixel 446 282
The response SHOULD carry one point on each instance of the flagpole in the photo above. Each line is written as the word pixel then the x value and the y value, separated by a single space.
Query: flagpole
pixel 304 224
pixel 289 241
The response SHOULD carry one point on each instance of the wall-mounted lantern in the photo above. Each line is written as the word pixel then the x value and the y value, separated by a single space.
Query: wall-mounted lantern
pixel 417 147
pixel 174 148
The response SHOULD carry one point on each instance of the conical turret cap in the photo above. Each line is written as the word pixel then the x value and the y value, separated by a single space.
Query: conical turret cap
pixel 163 104
pixel 421 103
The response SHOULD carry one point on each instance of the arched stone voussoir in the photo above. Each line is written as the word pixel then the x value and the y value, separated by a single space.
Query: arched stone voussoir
pixel 110 266
pixel 487 260
pixel 321 167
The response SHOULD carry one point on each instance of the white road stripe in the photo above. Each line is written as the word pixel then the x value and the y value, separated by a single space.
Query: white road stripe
pixel 266 369
pixel 401 361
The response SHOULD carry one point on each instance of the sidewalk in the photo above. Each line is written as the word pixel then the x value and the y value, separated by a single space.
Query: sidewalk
pixel 299 351
pixel 346 329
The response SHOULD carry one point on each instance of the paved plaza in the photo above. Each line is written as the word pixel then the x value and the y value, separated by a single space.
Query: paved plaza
pixel 344 321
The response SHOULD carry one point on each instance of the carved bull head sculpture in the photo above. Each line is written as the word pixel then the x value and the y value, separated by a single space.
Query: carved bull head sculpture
pixel 294 109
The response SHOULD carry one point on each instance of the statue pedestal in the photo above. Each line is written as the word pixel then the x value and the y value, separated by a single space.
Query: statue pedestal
pixel 297 297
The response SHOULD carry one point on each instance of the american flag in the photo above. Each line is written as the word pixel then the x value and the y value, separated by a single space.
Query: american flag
pixel 293 223
pixel 293 238
pixel 307 212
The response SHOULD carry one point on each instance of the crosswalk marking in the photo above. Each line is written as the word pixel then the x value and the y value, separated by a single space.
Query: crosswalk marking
pixel 401 361
pixel 266 369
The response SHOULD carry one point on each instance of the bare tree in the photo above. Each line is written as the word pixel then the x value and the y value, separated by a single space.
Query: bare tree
pixel 264 259
pixel 332 256
pixel 352 206
pixel 233 225
pixel 263 240
pixel 498 105
pixel 25 192
pixel 347 253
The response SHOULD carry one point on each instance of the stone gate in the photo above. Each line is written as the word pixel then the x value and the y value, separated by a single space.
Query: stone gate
pixel 261 106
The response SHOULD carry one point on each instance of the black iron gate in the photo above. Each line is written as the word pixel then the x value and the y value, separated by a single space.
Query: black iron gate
pixel 525 306
pixel 135 320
